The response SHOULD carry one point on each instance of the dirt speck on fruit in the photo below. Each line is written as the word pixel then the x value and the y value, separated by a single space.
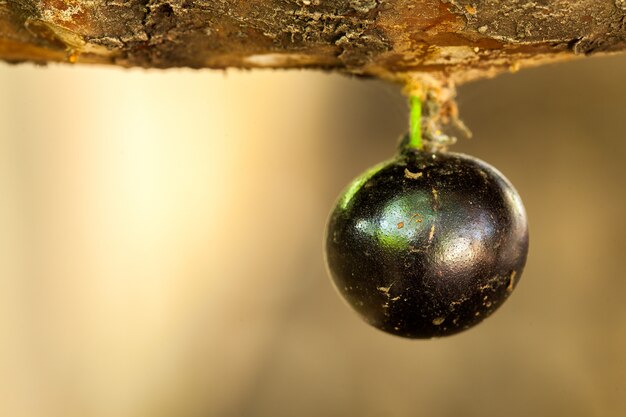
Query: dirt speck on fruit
pixel 511 281
pixel 417 217
pixel 412 175
pixel 435 199
pixel 431 235
pixel 491 284
pixel 384 290
pixel 460 301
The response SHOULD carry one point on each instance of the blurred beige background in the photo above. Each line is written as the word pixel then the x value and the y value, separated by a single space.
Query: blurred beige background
pixel 161 247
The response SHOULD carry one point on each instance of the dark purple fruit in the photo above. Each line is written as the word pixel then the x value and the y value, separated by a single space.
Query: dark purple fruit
pixel 428 244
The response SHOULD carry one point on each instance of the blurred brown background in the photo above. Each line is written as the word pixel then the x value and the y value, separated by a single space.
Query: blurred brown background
pixel 161 247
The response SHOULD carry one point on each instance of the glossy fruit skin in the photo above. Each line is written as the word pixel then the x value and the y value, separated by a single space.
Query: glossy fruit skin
pixel 427 244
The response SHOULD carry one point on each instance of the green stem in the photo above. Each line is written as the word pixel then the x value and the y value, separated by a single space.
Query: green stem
pixel 415 135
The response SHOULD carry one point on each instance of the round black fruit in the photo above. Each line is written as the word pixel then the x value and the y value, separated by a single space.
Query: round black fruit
pixel 427 244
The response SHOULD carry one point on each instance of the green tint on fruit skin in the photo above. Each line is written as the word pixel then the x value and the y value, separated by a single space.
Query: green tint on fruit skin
pixel 405 218
pixel 357 183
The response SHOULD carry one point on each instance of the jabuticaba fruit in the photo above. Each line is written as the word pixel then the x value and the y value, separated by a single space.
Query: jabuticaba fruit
pixel 427 244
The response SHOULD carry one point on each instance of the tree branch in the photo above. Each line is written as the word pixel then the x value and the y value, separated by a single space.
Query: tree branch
pixel 456 39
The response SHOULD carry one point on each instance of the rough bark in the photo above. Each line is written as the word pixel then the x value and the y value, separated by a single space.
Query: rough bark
pixel 458 39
